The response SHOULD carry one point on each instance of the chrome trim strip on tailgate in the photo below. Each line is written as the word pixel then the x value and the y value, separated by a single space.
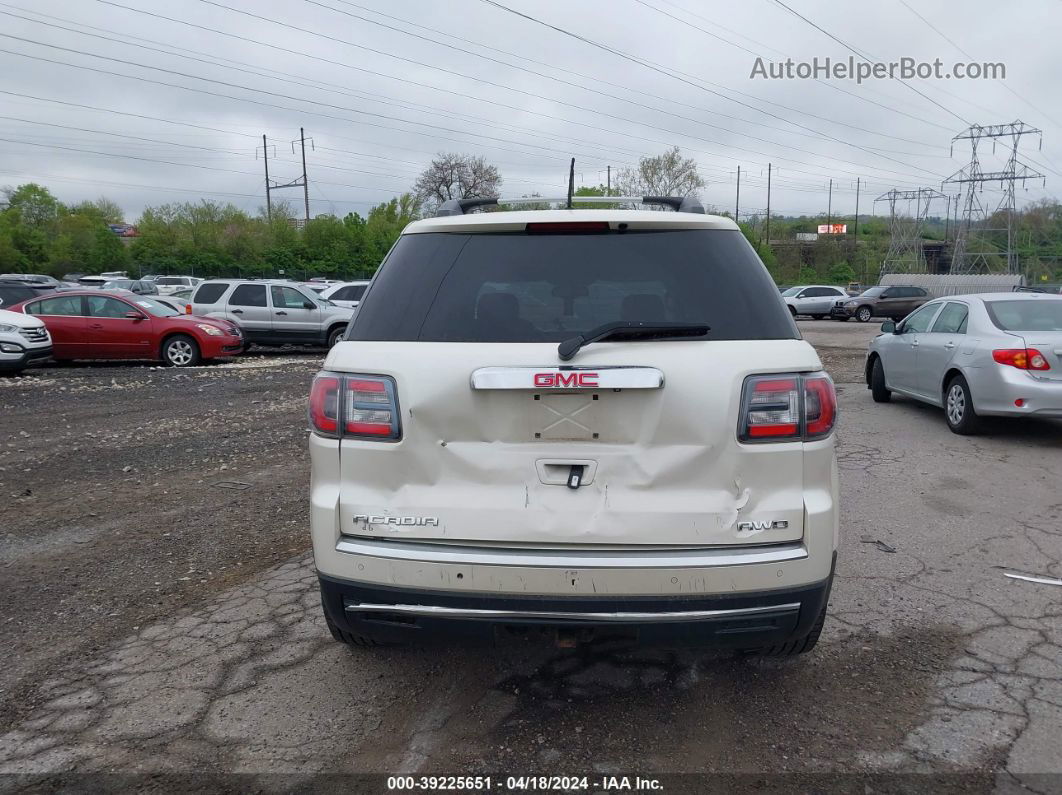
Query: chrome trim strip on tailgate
pixel 553 377
pixel 583 559
pixel 493 615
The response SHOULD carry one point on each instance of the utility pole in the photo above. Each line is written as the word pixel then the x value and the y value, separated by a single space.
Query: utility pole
pixel 829 205
pixel 608 190
pixel 737 198
pixel 301 182
pixel 768 224
pixel 305 182
pixel 856 233
pixel 947 220
pixel 265 158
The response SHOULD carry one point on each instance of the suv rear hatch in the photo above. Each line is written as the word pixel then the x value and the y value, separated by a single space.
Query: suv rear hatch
pixel 460 423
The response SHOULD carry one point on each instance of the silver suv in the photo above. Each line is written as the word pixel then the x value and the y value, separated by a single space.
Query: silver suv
pixel 586 421
pixel 272 312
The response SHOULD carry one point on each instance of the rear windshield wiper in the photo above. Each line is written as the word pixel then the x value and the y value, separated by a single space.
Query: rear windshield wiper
pixel 630 329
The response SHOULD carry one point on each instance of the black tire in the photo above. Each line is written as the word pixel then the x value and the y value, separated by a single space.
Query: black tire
pixel 878 390
pixel 180 350
pixel 959 410
pixel 796 646
pixel 817 317
pixel 335 334
pixel 792 312
pixel 864 314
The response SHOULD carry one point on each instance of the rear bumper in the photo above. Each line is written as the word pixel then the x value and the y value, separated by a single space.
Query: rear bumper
pixel 996 388
pixel 748 620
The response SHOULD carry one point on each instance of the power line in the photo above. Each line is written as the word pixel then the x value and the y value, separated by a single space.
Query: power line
pixel 287 77
pixel 310 101
pixel 863 57
pixel 550 99
pixel 1005 85
pixel 829 85
pixel 664 71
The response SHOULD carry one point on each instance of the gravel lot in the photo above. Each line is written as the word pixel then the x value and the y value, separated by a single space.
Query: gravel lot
pixel 156 621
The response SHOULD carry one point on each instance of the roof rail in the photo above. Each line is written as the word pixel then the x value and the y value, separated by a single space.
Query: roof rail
pixel 680 204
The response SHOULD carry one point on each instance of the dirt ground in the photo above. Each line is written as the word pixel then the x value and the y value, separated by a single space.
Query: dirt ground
pixel 156 621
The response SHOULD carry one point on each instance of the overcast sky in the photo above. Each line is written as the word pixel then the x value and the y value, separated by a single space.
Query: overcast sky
pixel 381 86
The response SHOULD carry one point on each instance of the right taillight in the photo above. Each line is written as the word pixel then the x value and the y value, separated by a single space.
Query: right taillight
pixel 354 406
pixel 1022 358
pixel 787 407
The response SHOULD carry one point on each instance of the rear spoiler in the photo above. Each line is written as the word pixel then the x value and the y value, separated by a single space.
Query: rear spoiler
pixel 680 204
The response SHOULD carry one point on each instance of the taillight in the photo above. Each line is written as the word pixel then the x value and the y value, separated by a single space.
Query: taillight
pixel 781 408
pixel 324 405
pixel 1022 358
pixel 820 406
pixel 354 406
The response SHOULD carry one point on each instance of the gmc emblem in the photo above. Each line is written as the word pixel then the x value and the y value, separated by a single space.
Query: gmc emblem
pixel 566 379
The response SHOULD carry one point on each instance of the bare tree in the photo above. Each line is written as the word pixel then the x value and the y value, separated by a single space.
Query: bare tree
pixel 456 176
pixel 669 174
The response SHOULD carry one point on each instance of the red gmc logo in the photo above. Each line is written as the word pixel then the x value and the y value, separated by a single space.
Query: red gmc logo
pixel 566 379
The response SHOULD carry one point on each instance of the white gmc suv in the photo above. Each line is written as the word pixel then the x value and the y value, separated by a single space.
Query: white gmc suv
pixel 589 421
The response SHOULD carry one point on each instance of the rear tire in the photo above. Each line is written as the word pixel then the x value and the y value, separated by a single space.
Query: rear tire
pixel 792 312
pixel 878 390
pixel 180 350
pixel 959 410
pixel 796 646
pixel 863 314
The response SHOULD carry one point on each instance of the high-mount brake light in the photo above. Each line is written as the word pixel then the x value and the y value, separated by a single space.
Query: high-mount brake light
pixel 1022 358
pixel 355 406
pixel 568 226
pixel 787 407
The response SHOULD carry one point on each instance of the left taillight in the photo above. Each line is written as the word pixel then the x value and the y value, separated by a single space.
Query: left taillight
pixel 354 406
pixel 787 407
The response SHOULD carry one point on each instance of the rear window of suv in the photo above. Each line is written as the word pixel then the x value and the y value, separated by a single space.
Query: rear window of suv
pixel 518 287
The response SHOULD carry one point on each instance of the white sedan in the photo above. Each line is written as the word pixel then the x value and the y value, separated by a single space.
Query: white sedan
pixel 974 355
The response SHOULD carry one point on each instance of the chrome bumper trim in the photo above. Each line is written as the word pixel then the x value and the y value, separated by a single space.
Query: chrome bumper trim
pixel 564 615
pixel 581 559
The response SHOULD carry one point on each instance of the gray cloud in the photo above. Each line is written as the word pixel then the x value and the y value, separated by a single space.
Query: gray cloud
pixel 379 99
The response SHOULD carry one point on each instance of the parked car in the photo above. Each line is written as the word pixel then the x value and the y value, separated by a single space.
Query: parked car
pixel 520 429
pixel 170 284
pixel 93 324
pixel 273 312
pixel 23 340
pixel 93 281
pixel 974 355
pixel 173 302
pixel 138 286
pixel 15 292
pixel 346 294
pixel 895 302
pixel 36 280
pixel 814 300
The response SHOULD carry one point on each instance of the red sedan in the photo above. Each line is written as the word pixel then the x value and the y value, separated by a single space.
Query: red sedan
pixel 97 324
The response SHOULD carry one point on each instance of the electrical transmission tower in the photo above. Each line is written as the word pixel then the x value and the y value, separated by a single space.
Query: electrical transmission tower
pixel 905 254
pixel 979 239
